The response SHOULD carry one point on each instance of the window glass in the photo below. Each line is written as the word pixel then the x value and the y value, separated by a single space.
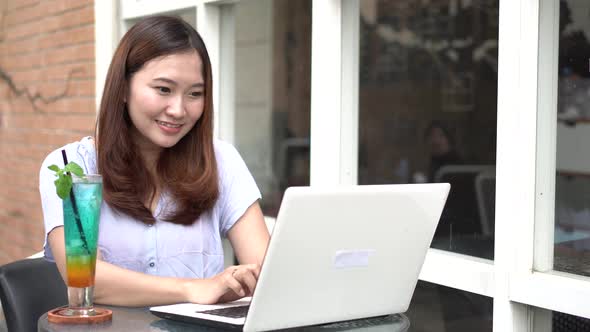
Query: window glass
pixel 555 321
pixel 272 94
pixel 572 185
pixel 427 108
pixel 437 308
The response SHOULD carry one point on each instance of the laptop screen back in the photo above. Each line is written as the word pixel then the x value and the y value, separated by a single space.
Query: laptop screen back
pixel 346 252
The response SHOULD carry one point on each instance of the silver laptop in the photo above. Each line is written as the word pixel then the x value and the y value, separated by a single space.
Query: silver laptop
pixel 335 254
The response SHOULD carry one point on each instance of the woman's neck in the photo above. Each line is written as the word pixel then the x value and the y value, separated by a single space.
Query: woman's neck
pixel 150 153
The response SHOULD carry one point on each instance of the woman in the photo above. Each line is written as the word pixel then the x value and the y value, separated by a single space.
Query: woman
pixel 442 148
pixel 170 191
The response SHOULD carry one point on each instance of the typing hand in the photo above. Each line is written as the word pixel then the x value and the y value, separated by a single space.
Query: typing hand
pixel 233 283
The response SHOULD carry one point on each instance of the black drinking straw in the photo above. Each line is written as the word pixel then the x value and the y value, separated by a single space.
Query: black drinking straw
pixel 75 207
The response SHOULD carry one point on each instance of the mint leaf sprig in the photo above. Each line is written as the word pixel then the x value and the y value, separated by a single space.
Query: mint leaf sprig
pixel 63 183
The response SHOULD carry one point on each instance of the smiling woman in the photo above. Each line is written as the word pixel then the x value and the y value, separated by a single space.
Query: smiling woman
pixel 171 192
pixel 148 91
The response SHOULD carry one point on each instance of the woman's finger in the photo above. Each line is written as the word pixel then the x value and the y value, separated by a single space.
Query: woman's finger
pixel 233 284
pixel 255 268
pixel 248 279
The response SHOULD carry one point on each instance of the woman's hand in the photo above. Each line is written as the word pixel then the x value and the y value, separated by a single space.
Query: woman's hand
pixel 233 283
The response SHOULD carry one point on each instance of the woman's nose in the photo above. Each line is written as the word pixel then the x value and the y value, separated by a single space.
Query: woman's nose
pixel 175 107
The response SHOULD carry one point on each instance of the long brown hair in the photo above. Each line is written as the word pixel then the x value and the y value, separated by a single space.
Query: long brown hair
pixel 188 170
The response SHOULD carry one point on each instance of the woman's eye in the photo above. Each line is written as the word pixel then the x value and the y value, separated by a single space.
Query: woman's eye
pixel 163 89
pixel 196 94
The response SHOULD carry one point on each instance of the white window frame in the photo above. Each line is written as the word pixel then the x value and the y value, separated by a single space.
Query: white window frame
pixel 106 18
pixel 521 277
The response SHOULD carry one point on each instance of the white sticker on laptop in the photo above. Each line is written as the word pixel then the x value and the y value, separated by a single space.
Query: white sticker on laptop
pixel 352 258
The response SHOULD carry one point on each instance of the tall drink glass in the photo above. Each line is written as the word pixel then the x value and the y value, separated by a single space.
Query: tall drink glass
pixel 81 216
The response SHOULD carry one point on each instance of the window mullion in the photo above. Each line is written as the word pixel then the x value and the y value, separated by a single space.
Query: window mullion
pixel 105 41
pixel 209 26
pixel 326 88
pixel 515 157
pixel 350 92
pixel 546 136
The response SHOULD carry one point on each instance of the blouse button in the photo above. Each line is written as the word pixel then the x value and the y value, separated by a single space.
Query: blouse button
pixel 152 264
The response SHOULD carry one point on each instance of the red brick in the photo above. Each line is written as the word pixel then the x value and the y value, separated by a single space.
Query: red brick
pixel 24 166
pixel 23 181
pixel 4 91
pixel 19 46
pixel 82 88
pixel 19 32
pixel 22 208
pixel 76 122
pixel 69 19
pixel 21 104
pixel 67 37
pixel 15 4
pixel 19 239
pixel 23 15
pixel 69 54
pixel 51 8
pixel 35 219
pixel 69 105
pixel 69 4
pixel 8 219
pixel 34 223
pixel 25 76
pixel 19 62
pixel 49 91
pixel 83 69
pixel 47 138
pixel 31 152
pixel 20 180
pixel 12 251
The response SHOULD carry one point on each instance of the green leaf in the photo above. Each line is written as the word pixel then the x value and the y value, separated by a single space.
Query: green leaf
pixel 75 169
pixel 63 186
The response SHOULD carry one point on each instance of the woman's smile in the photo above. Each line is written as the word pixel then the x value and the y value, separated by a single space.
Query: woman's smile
pixel 167 127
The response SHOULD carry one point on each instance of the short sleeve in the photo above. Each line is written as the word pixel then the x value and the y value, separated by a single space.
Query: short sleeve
pixel 50 202
pixel 238 189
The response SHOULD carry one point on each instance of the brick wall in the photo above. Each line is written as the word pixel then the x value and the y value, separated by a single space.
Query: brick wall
pixel 46 101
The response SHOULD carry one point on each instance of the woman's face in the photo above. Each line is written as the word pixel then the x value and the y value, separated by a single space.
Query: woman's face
pixel 439 144
pixel 165 100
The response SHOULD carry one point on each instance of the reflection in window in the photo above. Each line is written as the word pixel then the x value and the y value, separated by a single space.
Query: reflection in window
pixel 437 308
pixel 572 186
pixel 272 94
pixel 427 97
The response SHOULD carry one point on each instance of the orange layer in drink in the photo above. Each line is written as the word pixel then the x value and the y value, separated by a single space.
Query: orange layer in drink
pixel 80 270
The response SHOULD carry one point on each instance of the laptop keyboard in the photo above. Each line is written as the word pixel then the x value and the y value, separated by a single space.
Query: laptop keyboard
pixel 232 312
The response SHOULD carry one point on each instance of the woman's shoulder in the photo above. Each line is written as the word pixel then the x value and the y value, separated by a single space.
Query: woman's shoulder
pixel 224 151
pixel 81 152
pixel 229 160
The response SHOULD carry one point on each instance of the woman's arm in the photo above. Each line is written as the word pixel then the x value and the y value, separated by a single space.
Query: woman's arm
pixel 249 236
pixel 118 286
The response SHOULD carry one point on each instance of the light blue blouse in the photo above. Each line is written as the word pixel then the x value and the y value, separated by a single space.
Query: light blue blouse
pixel 164 249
